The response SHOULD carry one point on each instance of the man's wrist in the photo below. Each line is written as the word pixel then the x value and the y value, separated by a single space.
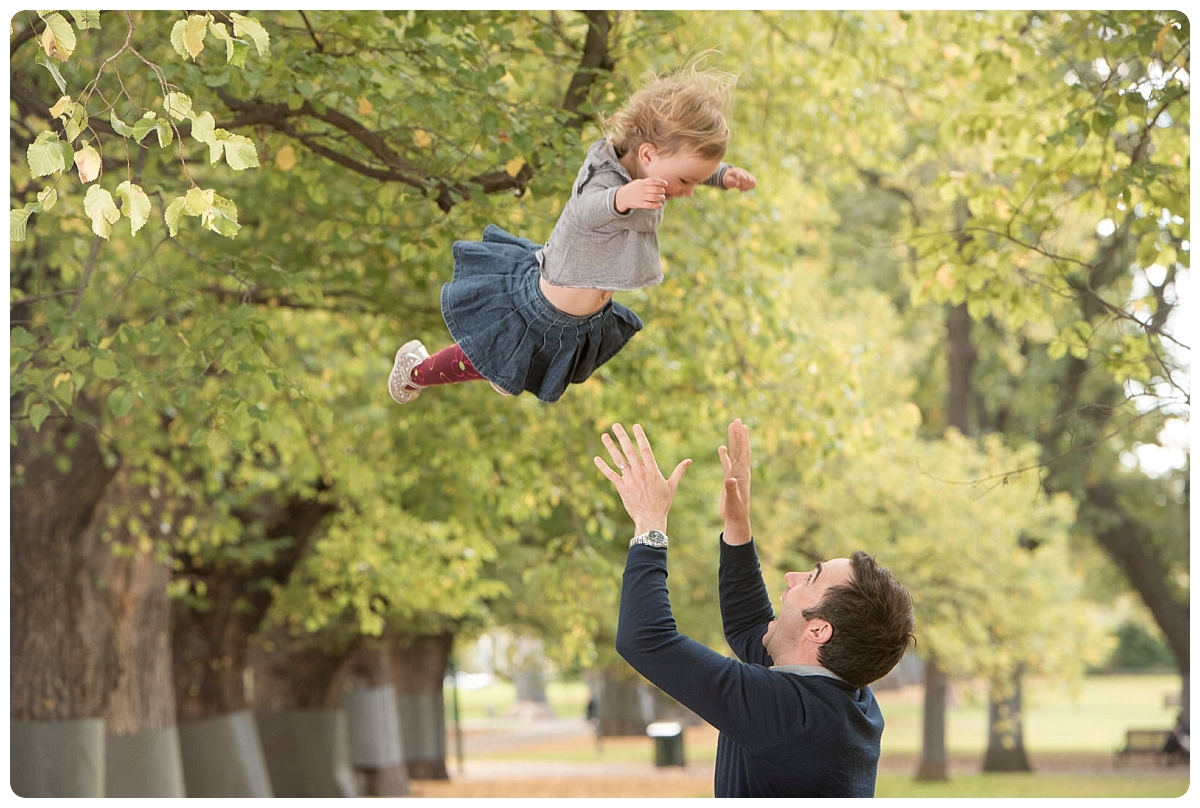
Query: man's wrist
pixel 651 538
pixel 736 533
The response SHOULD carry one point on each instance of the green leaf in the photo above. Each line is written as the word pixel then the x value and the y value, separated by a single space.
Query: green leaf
pixel 203 130
pixel 99 206
pixel 145 125
pixel 16 223
pixel 44 155
pixel 177 32
pixel 253 29
pixel 120 402
pixel 105 368
pixel 221 217
pixel 221 32
pixel 165 133
pixel 134 203
pixel 174 214
pixel 240 152
pixel 59 38
pixel 86 19
pixel 76 121
pixel 120 127
pixel 48 63
pixel 178 106
pixel 46 199
pixel 38 414
pixel 198 201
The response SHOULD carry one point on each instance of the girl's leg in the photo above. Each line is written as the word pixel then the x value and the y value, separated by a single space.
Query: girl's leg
pixel 415 370
pixel 448 366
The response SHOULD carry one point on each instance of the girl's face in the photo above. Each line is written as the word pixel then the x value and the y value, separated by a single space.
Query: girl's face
pixel 683 170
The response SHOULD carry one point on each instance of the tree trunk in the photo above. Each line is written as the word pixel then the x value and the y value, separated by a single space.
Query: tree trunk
pixel 62 647
pixel 1006 741
pixel 418 669
pixel 210 646
pixel 303 730
pixel 624 707
pixel 223 755
pixel 143 757
pixel 932 766
pixel 376 754
pixel 63 662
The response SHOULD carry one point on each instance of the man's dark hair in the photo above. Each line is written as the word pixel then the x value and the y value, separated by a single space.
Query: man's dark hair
pixel 872 619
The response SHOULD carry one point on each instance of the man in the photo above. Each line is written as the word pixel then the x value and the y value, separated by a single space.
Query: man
pixel 795 714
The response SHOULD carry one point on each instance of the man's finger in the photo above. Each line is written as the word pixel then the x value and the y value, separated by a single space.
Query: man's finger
pixel 612 476
pixel 626 444
pixel 677 475
pixel 644 446
pixel 617 458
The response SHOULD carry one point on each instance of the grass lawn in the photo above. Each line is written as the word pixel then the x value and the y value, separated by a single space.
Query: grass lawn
pixel 1032 785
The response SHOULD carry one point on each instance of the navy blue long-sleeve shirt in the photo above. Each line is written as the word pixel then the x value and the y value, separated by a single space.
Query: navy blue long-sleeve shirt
pixel 788 731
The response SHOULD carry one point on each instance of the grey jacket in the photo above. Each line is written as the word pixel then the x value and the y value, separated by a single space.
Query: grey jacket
pixel 594 247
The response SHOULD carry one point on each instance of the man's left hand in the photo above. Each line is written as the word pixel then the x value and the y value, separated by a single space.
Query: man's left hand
pixel 645 493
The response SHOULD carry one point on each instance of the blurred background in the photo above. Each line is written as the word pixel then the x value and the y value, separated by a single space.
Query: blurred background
pixel 954 313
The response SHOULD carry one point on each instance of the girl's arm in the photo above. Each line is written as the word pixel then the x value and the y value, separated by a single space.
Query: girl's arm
pixel 729 177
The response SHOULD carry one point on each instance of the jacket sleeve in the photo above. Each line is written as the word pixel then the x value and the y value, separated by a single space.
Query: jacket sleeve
pixel 745 605
pixel 747 702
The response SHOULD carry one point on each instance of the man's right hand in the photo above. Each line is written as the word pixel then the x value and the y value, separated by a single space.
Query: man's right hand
pixel 735 494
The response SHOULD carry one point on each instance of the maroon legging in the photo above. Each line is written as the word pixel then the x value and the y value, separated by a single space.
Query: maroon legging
pixel 448 366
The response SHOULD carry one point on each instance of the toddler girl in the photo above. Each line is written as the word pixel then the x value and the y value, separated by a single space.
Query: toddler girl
pixel 536 318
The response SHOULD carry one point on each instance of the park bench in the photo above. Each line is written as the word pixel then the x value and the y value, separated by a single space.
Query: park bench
pixel 1148 742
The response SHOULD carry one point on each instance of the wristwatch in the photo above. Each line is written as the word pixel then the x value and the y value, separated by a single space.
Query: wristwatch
pixel 654 538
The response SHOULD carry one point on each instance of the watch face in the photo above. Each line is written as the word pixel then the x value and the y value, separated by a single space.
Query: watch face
pixel 656 538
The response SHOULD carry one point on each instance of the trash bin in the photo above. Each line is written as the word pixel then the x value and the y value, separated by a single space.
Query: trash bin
pixel 668 743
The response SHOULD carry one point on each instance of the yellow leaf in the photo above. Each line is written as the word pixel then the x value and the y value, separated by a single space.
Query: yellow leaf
pixel 62 106
pixel 60 378
pixel 87 160
pixel 285 158
pixel 365 107
pixel 514 166
pixel 945 276
pixel 421 139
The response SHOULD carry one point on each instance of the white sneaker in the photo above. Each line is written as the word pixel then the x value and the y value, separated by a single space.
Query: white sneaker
pixel 400 385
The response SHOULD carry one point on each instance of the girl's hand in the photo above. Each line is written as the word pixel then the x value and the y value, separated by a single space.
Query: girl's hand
pixel 644 492
pixel 739 178
pixel 647 194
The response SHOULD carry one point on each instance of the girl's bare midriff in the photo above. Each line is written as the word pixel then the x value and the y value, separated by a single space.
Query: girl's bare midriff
pixel 577 302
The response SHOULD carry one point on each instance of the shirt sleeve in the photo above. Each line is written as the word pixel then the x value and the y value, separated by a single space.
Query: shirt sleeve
pixel 718 177
pixel 750 703
pixel 745 605
pixel 595 205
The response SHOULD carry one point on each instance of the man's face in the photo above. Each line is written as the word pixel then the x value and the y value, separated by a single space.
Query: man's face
pixel 804 591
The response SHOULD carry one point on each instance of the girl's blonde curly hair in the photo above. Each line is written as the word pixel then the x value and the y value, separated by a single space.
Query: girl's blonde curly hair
pixel 679 112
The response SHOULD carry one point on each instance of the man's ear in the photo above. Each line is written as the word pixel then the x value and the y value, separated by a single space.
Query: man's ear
pixel 819 631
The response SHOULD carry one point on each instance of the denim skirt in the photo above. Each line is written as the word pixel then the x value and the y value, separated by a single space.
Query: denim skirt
pixel 512 334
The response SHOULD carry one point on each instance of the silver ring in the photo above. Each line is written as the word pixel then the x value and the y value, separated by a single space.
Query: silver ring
pixel 622 467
